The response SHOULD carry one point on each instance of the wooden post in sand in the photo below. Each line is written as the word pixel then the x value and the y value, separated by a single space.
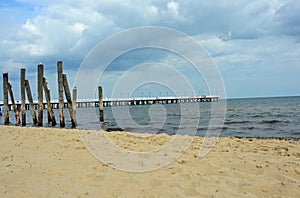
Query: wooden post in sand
pixel 51 116
pixel 47 91
pixel 60 93
pixel 74 102
pixel 5 98
pixel 68 97
pixel 16 110
pixel 22 89
pixel 30 100
pixel 40 94
pixel 100 104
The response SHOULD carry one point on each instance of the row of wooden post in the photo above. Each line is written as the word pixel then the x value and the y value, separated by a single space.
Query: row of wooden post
pixel 7 88
pixel 63 87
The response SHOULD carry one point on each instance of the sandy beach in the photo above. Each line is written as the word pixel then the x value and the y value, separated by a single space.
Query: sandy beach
pixel 45 162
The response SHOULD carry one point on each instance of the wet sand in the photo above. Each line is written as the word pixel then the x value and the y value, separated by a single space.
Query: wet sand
pixel 44 162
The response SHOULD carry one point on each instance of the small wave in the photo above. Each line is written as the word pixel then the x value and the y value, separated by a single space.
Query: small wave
pixel 202 128
pixel 236 122
pixel 257 116
pixel 219 128
pixel 295 132
pixel 267 129
pixel 212 128
pixel 225 128
pixel 279 115
pixel 260 115
pixel 274 121
pixel 234 115
pixel 175 128
pixel 265 115
pixel 249 128
pixel 174 114
pixel 275 109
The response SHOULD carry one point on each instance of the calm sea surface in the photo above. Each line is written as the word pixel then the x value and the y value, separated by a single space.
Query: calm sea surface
pixel 259 117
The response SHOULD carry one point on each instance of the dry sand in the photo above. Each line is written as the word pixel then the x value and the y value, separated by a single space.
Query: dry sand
pixel 43 162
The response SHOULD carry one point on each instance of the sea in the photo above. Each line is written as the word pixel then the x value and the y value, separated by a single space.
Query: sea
pixel 275 117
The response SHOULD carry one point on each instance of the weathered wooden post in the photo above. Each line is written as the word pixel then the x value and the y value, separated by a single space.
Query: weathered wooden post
pixel 22 89
pixel 51 116
pixel 12 98
pixel 30 100
pixel 60 93
pixel 5 98
pixel 16 110
pixel 68 97
pixel 100 104
pixel 74 102
pixel 40 94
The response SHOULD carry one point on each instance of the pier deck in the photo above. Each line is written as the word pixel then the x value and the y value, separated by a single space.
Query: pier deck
pixel 109 102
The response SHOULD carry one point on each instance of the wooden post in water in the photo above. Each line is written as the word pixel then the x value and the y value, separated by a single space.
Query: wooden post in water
pixel 22 89
pixel 100 104
pixel 12 98
pixel 68 97
pixel 74 102
pixel 48 116
pixel 60 93
pixel 5 98
pixel 40 94
pixel 31 105
pixel 51 116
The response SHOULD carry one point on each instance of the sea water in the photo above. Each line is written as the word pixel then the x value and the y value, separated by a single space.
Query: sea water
pixel 252 117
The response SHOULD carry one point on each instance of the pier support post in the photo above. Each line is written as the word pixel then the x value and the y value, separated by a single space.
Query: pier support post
pixel 30 100
pixel 60 93
pixel 100 94
pixel 40 94
pixel 5 98
pixel 68 97
pixel 51 116
pixel 22 90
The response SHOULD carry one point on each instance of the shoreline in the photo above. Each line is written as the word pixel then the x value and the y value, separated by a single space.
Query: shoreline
pixel 112 130
pixel 40 161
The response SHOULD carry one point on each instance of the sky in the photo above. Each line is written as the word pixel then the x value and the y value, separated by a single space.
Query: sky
pixel 255 45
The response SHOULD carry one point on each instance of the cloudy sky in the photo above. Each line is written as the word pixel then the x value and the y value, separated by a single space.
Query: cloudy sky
pixel 254 44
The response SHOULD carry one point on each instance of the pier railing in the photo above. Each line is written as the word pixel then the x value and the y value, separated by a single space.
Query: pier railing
pixel 109 102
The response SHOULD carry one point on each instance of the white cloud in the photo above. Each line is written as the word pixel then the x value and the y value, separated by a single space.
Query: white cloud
pixel 286 19
pixel 173 7
pixel 65 28
pixel 236 34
